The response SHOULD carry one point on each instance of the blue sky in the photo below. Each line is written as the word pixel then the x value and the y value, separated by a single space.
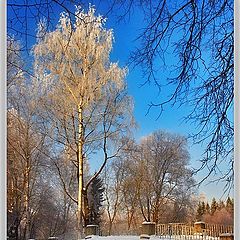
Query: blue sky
pixel 125 33
pixel 171 120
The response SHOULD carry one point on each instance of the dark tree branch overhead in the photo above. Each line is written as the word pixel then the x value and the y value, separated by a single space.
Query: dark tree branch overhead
pixel 198 36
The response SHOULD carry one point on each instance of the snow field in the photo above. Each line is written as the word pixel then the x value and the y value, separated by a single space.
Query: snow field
pixel 153 238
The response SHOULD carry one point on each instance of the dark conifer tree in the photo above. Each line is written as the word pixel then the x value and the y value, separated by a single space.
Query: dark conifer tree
pixel 203 208
pixel 207 208
pixel 229 205
pixel 214 206
pixel 95 198
pixel 200 211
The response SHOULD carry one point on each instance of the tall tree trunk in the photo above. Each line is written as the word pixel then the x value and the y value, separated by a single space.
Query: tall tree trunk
pixel 130 218
pixel 86 207
pixel 110 228
pixel 148 210
pixel 80 208
pixel 26 199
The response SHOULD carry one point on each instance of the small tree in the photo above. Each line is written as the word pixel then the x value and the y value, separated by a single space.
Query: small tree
pixel 230 205
pixel 95 198
pixel 200 210
pixel 113 179
pixel 214 206
pixel 207 208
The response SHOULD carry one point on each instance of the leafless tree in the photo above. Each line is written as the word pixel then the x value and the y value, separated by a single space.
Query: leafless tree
pixel 25 163
pixel 157 169
pixel 27 153
pixel 113 178
pixel 54 216
pixel 149 181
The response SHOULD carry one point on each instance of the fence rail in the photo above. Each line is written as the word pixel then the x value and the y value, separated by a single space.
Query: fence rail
pixel 183 231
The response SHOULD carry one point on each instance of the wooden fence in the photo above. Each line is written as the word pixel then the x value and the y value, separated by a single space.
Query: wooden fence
pixel 183 231
pixel 214 229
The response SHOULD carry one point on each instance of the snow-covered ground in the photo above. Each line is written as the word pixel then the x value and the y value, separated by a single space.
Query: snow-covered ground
pixel 153 238
pixel 120 238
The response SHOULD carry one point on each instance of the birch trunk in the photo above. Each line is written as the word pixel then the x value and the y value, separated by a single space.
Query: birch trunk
pixel 26 202
pixel 80 173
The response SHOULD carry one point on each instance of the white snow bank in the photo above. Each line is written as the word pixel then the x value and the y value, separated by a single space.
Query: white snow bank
pixel 138 238
pixel 124 238
pixel 148 223
pixel 115 237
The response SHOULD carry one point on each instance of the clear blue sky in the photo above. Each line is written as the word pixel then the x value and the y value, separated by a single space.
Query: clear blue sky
pixel 125 33
pixel 171 119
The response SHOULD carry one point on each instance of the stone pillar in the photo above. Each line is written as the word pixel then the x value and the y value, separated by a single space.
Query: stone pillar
pixel 199 227
pixel 226 236
pixel 91 230
pixel 148 229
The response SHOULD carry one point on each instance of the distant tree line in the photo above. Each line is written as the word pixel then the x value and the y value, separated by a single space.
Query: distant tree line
pixel 216 212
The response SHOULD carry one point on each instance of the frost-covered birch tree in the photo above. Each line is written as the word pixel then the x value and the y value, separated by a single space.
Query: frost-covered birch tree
pixel 85 97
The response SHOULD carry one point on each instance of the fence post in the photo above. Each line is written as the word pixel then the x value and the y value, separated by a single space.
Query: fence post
pixel 148 229
pixel 199 227
pixel 91 230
